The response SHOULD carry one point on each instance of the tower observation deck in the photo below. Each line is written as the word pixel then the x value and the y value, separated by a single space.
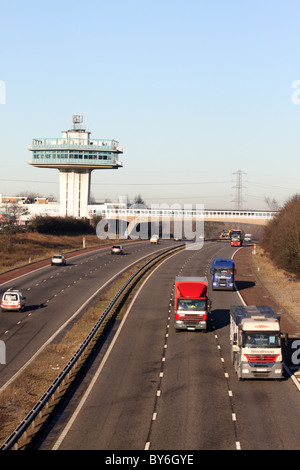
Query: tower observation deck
pixel 75 155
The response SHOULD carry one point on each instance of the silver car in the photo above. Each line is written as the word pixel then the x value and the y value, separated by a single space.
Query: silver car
pixel 13 299
pixel 58 260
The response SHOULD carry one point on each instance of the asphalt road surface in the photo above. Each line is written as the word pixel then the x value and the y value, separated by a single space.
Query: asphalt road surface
pixel 54 294
pixel 152 388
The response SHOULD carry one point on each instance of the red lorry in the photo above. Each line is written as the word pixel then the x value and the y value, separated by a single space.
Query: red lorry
pixel 236 237
pixel 191 303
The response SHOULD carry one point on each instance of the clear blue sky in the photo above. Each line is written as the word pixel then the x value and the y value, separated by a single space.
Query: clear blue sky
pixel 193 90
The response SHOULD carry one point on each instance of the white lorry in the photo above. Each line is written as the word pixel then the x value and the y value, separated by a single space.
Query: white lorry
pixel 255 342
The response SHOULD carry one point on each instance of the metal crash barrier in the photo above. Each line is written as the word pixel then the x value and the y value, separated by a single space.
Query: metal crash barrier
pixel 36 418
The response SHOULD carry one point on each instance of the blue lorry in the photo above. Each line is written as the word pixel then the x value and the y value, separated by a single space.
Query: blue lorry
pixel 222 272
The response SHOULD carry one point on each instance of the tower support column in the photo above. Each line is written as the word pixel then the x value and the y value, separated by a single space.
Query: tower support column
pixel 74 192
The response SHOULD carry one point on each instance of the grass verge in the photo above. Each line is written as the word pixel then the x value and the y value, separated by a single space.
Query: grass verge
pixel 29 247
pixel 283 286
pixel 18 399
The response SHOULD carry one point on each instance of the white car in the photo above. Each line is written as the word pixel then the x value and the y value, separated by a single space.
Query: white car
pixel 13 299
pixel 58 260
pixel 116 250
pixel 154 239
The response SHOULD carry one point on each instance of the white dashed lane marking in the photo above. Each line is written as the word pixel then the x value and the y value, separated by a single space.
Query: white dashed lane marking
pixel 161 375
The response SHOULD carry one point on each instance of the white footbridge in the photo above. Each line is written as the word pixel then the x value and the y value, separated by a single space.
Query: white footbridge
pixel 144 214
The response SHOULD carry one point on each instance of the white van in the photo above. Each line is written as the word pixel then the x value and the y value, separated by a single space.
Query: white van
pixel 12 300
pixel 154 239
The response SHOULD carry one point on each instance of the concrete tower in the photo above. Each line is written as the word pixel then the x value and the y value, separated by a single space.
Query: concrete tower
pixel 75 155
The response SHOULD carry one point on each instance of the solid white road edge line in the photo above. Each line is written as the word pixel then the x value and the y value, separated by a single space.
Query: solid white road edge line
pixel 66 323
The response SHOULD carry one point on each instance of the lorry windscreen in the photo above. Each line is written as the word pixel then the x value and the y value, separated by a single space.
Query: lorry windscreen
pixel 223 271
pixel 191 304
pixel 270 339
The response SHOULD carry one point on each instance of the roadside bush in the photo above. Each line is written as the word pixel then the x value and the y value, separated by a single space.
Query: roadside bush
pixel 61 225
pixel 281 237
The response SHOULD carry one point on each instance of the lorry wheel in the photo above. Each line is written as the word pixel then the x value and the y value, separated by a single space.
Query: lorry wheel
pixel 238 372
pixel 232 357
pixel 235 365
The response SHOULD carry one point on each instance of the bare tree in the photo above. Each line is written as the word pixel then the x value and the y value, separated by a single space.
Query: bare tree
pixel 13 212
pixel 139 200
pixel 272 203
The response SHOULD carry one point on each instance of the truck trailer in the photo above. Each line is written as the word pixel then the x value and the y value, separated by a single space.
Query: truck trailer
pixel 255 342
pixel 222 272
pixel 191 303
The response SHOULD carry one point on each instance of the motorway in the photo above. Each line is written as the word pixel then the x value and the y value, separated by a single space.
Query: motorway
pixel 55 295
pixel 151 388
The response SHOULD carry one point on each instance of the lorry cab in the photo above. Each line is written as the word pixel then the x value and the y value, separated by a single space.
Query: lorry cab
pixel 223 271
pixel 255 342
pixel 236 237
pixel 191 303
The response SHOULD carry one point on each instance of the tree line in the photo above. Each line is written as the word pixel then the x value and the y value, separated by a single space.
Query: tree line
pixel 62 225
pixel 281 237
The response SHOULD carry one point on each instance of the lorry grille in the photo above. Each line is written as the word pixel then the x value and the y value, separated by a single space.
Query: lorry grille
pixel 193 316
pixel 261 358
